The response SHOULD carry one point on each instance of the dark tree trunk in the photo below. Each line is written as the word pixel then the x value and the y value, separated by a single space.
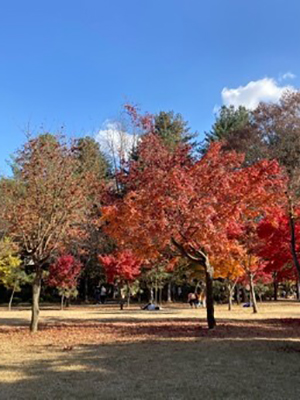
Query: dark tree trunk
pixel 210 299
pixel 169 292
pixel 36 291
pixel 275 286
pixel 86 290
pixel 62 302
pixel 252 294
pixel 238 294
pixel 293 237
pixel 298 289
pixel 160 296
pixel 245 295
pixel 11 298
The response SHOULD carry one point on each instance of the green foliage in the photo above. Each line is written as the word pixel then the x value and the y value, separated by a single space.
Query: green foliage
pixel 156 277
pixel 90 157
pixel 220 292
pixel 261 289
pixel 172 129
pixel 229 119
pixel 68 293
pixel 232 126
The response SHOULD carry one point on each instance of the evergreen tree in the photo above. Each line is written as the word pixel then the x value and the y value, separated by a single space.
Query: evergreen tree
pixel 172 129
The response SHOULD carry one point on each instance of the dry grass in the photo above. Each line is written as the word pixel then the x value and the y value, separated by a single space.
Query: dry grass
pixel 101 352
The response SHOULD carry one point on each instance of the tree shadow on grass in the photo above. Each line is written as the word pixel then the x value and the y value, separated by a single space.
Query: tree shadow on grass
pixel 158 369
pixel 7 322
pixel 157 329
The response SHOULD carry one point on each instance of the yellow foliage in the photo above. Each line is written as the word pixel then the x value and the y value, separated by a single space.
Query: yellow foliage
pixel 9 262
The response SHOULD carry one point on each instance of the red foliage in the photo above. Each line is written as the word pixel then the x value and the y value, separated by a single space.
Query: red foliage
pixel 122 265
pixel 145 122
pixel 203 204
pixel 65 272
pixel 274 235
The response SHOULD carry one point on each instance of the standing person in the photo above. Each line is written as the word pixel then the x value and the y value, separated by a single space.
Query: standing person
pixel 192 299
pixel 197 300
pixel 103 292
pixel 97 295
pixel 122 302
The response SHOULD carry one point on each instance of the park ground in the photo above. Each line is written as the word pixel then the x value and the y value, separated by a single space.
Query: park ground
pixel 100 352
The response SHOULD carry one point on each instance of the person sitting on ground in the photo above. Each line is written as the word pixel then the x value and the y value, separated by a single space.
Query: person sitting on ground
pixel 151 307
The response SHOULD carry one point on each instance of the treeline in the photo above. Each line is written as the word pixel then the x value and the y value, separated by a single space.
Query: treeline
pixel 158 208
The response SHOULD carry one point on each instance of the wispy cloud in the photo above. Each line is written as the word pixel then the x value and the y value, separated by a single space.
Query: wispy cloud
pixel 287 75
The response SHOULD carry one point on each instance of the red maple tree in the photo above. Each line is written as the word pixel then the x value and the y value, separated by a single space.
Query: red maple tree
pixel 122 265
pixel 195 206
pixel 64 274
pixel 275 246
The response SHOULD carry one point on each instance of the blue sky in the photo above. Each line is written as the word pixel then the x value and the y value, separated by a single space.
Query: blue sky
pixel 75 62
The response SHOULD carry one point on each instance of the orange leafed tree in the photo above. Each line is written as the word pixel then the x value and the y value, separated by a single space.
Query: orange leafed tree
pixel 198 207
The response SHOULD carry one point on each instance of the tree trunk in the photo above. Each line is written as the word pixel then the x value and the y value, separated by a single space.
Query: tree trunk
pixel 156 292
pixel 86 290
pixel 230 293
pixel 275 286
pixel 210 298
pixel 35 309
pixel 245 295
pixel 151 295
pixel 160 295
pixel 293 236
pixel 128 295
pixel 230 302
pixel 238 294
pixel 298 289
pixel 62 301
pixel 169 292
pixel 11 298
pixel 252 294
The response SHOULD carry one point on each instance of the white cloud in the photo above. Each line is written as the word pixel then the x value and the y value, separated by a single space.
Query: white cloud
pixel 115 141
pixel 250 95
pixel 287 75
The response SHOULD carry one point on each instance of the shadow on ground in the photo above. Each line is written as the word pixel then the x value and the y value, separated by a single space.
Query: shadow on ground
pixel 172 328
pixel 159 370
pixel 173 359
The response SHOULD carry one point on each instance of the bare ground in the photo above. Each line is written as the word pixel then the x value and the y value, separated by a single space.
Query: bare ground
pixel 101 352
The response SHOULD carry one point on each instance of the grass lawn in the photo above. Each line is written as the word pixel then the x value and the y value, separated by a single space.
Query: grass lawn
pixel 100 352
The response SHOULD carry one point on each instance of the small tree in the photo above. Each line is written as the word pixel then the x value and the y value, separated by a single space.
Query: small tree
pixel 64 275
pixel 122 266
pixel 12 275
pixel 275 246
pixel 48 199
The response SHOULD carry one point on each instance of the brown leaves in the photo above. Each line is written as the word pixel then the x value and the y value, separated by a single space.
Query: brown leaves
pixel 48 198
